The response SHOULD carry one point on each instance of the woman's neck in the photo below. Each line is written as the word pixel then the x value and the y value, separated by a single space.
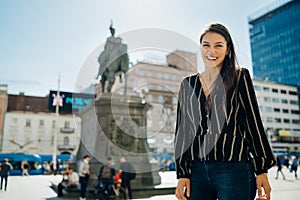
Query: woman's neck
pixel 210 74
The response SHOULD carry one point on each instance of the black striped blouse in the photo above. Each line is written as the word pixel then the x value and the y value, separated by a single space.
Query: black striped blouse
pixel 231 130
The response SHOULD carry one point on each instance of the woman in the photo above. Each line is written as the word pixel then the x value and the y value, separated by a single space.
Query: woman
pixel 220 142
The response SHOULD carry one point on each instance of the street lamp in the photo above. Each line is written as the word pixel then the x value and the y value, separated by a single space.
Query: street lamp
pixel 57 102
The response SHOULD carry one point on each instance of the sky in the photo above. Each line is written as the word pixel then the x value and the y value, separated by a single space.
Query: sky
pixel 44 40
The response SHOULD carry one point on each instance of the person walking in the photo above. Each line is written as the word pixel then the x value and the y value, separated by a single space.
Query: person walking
pixel 127 175
pixel 220 141
pixel 25 167
pixel 294 165
pixel 84 175
pixel 106 180
pixel 279 168
pixel 5 168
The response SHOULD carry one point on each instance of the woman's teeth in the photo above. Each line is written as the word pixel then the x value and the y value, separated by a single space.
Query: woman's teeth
pixel 211 58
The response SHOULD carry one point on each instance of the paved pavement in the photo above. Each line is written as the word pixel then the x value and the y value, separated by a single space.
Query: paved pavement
pixel 38 187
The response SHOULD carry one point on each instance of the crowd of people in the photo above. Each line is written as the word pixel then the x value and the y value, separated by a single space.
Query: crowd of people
pixel 110 183
pixel 289 163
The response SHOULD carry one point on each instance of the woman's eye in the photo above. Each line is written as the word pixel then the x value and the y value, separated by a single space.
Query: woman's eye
pixel 205 45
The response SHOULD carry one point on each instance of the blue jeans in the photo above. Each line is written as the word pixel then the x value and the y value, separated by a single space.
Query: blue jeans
pixel 211 180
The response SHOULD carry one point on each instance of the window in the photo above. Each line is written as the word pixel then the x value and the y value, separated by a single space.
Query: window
pixel 267 99
pixel 14 120
pixel 285 110
pixel 294 102
pixel 257 88
pixel 174 77
pixel 149 86
pixel 174 89
pixel 67 124
pixel 160 99
pixel 278 120
pixel 150 98
pixel 295 112
pixel 141 72
pixel 292 93
pixel 187 68
pixel 28 123
pixel 275 90
pixel 166 76
pixel 287 121
pixel 174 100
pixel 159 87
pixel 268 109
pixel 284 101
pixel 66 140
pixel 275 100
pixel 266 89
pixel 42 122
pixel 295 121
pixel 159 75
pixel 283 91
pixel 276 109
pixel 149 74
pixel 269 119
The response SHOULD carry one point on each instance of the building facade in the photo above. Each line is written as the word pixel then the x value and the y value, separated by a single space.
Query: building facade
pixel 278 105
pixel 275 42
pixel 159 85
pixel 29 127
pixel 3 107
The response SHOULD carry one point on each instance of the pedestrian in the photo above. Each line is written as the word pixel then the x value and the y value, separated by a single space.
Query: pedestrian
pixel 84 175
pixel 220 142
pixel 5 168
pixel 286 161
pixel 279 168
pixel 106 179
pixel 25 167
pixel 127 175
pixel 294 165
pixel 58 167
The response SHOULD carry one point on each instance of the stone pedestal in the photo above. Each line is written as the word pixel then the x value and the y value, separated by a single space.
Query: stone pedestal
pixel 116 125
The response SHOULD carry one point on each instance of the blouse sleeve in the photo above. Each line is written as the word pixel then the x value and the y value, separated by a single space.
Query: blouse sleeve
pixel 263 157
pixel 181 152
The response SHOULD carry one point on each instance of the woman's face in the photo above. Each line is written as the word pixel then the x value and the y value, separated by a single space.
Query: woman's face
pixel 213 50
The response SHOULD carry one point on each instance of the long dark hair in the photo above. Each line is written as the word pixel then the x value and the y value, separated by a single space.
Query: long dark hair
pixel 228 71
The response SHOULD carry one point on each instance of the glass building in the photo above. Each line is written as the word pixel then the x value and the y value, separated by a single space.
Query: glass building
pixel 275 42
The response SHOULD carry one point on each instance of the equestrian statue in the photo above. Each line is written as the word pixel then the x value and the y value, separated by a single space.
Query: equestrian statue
pixel 113 61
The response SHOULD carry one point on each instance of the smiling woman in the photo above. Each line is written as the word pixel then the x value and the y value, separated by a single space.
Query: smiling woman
pixel 220 143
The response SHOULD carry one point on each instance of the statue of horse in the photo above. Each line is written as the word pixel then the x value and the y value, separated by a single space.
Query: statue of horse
pixel 113 61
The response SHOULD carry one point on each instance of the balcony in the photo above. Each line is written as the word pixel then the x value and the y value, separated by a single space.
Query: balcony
pixel 66 147
pixel 67 130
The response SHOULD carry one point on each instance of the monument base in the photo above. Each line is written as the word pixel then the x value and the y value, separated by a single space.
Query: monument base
pixel 115 126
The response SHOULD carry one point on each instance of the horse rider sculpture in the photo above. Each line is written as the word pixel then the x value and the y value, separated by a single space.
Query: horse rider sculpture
pixel 113 61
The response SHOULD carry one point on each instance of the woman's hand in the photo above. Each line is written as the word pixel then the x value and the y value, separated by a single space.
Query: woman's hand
pixel 262 181
pixel 183 189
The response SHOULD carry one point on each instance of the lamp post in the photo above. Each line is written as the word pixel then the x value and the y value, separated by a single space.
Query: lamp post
pixel 57 102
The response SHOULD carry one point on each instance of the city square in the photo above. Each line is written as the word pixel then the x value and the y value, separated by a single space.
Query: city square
pixel 38 187
pixel 147 102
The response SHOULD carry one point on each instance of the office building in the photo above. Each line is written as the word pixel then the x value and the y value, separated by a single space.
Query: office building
pixel 278 105
pixel 275 42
